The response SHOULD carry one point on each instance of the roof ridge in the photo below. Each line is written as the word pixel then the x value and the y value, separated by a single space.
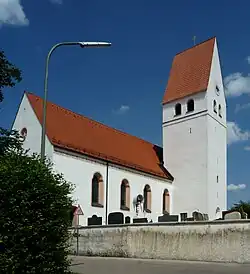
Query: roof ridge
pixel 203 42
pixel 92 120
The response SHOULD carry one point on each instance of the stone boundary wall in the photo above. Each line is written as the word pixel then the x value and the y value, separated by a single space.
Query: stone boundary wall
pixel 215 241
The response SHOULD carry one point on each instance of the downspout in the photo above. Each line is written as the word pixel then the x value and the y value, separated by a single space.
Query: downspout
pixel 107 191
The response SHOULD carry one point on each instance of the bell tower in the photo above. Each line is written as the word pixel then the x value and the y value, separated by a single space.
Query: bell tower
pixel 195 133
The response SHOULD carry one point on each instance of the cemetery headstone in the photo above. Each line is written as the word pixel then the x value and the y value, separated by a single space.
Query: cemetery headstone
pixel 127 220
pixel 235 215
pixel 116 218
pixel 197 216
pixel 94 220
pixel 244 215
pixel 205 217
pixel 168 218
pixel 190 219
pixel 140 220
pixel 183 216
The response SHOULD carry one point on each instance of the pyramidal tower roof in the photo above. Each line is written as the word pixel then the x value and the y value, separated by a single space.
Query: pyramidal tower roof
pixel 190 71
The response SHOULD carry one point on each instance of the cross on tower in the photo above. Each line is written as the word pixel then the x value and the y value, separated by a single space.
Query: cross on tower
pixel 194 39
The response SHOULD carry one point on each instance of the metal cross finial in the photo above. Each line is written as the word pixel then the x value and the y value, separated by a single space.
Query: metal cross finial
pixel 194 39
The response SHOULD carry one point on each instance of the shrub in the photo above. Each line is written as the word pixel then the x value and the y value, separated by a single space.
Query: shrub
pixel 34 214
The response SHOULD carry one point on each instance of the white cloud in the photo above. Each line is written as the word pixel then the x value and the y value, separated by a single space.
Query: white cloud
pixel 12 13
pixel 237 84
pixel 248 59
pixel 122 110
pixel 236 134
pixel 233 187
pixel 247 148
pixel 56 1
pixel 241 107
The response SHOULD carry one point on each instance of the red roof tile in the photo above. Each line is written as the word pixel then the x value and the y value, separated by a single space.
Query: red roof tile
pixel 74 132
pixel 190 71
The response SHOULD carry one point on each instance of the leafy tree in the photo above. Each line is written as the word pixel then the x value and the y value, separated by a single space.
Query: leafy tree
pixel 9 141
pixel 34 212
pixel 9 74
pixel 242 206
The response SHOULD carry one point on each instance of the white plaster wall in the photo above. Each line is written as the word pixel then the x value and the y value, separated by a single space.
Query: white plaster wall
pixel 137 183
pixel 26 117
pixel 217 141
pixel 216 192
pixel 169 109
pixel 185 156
pixel 216 79
pixel 220 241
pixel 80 171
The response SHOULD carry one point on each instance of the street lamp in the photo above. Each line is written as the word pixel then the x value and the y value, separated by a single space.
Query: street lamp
pixel 82 45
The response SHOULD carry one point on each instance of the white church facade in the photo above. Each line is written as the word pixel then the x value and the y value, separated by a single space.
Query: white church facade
pixel 115 172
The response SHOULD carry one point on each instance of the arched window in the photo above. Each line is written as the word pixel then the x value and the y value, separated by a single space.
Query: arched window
pixel 97 190
pixel 125 195
pixel 220 114
pixel 215 106
pixel 190 105
pixel 166 202
pixel 147 199
pixel 178 109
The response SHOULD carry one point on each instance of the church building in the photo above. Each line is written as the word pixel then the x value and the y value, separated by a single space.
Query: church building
pixel 116 172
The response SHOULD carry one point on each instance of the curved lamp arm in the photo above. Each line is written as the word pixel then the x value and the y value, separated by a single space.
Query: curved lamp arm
pixel 82 45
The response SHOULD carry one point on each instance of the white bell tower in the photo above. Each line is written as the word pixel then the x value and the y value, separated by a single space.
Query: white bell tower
pixel 194 131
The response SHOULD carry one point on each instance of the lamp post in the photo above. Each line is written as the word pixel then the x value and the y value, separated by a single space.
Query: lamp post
pixel 82 45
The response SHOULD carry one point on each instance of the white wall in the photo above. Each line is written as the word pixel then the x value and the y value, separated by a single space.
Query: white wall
pixel 137 183
pixel 26 118
pixel 187 161
pixel 220 241
pixel 169 108
pixel 80 170
pixel 216 192
pixel 217 141
pixel 185 155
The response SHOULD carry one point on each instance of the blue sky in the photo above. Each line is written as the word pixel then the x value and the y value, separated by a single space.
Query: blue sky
pixel 123 86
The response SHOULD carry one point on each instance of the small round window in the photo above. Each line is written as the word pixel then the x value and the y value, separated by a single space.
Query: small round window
pixel 24 132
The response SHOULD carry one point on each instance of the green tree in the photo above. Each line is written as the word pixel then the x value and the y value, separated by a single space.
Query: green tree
pixel 34 212
pixel 9 74
pixel 9 141
pixel 242 206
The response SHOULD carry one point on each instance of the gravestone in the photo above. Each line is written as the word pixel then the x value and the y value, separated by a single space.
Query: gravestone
pixel 127 220
pixel 197 216
pixel 235 215
pixel 205 217
pixel 190 219
pixel 168 218
pixel 94 220
pixel 244 215
pixel 226 212
pixel 116 218
pixel 183 216
pixel 140 220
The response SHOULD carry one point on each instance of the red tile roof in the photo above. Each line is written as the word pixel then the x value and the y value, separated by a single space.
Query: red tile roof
pixel 77 133
pixel 190 71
